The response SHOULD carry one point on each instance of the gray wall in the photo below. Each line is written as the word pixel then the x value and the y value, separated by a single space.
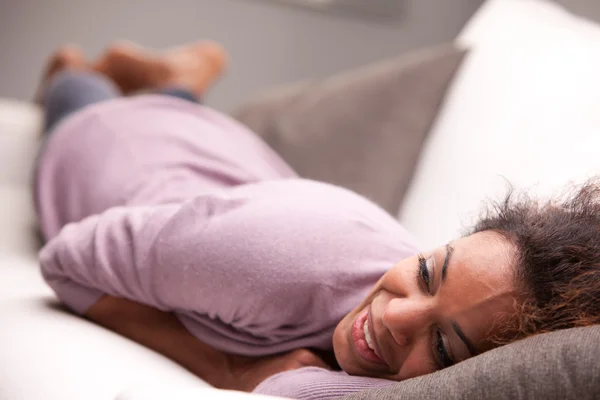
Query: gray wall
pixel 269 43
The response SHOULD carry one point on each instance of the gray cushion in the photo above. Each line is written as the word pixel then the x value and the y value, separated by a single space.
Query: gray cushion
pixel 559 365
pixel 363 129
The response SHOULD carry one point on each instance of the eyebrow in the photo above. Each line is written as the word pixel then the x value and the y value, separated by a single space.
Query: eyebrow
pixel 449 251
pixel 464 338
pixel 472 350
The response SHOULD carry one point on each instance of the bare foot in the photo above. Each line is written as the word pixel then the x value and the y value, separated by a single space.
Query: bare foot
pixel 66 57
pixel 193 67
pixel 131 67
pixel 196 66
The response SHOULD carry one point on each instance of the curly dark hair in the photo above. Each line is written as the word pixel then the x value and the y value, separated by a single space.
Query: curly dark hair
pixel 557 263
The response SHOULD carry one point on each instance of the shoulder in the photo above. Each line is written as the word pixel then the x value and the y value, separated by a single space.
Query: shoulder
pixel 320 224
pixel 317 198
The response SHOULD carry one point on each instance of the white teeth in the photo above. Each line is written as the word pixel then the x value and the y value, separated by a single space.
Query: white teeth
pixel 368 335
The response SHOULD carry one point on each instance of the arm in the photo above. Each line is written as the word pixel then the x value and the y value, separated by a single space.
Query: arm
pixel 162 332
pixel 128 268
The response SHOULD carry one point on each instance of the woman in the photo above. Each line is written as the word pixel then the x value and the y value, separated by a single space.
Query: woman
pixel 175 226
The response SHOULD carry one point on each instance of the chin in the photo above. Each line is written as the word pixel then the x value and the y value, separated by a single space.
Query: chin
pixel 341 345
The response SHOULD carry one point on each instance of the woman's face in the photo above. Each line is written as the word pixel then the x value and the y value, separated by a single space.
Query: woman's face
pixel 430 311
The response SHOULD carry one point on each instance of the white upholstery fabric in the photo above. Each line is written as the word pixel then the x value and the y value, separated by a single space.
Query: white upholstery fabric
pixel 525 108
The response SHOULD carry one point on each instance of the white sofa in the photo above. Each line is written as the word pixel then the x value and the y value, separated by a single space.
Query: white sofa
pixel 525 106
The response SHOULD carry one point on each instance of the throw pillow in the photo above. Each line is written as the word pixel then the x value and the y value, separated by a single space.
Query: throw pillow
pixel 363 129
pixel 559 365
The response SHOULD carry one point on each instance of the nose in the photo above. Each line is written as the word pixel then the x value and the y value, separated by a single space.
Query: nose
pixel 406 320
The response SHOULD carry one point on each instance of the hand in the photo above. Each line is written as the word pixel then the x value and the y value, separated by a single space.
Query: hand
pixel 250 372
pixel 164 333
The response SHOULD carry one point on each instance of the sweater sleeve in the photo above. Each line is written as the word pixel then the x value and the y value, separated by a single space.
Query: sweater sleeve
pixel 109 253
pixel 313 383
pixel 174 257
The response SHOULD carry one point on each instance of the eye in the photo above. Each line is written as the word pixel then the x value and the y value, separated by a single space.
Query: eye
pixel 440 351
pixel 423 272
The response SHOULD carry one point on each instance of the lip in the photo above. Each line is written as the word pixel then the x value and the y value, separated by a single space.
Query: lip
pixel 360 342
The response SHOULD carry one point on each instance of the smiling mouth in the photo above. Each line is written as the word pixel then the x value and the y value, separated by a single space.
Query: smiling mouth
pixel 368 336
pixel 364 340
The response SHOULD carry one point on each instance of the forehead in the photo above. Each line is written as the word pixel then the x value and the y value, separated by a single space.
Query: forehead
pixel 479 283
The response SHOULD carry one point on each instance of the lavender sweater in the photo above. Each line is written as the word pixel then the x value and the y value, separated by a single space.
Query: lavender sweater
pixel 173 205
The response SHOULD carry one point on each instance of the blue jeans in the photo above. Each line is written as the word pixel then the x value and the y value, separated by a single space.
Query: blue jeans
pixel 70 91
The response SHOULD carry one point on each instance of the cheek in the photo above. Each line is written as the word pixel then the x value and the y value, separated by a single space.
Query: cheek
pixel 418 362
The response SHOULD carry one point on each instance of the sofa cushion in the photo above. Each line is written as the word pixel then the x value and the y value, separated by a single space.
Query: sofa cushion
pixel 524 108
pixel 560 365
pixel 363 129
